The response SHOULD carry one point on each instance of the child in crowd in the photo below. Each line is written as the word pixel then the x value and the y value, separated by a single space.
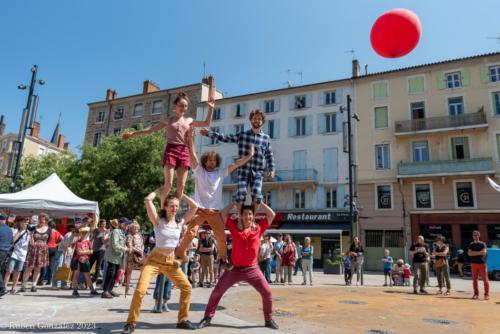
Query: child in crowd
pixel 195 270
pixel 80 262
pixel 407 272
pixel 388 261
pixel 347 269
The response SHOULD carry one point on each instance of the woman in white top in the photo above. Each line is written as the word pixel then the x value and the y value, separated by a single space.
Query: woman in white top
pixel 162 260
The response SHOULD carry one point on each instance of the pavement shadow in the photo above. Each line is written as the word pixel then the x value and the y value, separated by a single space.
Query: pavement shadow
pixel 69 296
pixel 399 292
pixel 455 297
pixel 172 307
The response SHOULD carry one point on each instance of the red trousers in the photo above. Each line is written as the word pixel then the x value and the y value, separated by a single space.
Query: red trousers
pixel 480 269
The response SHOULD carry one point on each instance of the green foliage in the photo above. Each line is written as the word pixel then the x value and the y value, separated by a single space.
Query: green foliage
pixel 117 173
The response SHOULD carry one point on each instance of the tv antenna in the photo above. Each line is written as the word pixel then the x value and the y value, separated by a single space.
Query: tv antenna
pixel 497 38
pixel 300 73
pixel 352 52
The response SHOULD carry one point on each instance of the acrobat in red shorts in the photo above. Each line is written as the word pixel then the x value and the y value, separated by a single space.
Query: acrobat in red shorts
pixel 176 155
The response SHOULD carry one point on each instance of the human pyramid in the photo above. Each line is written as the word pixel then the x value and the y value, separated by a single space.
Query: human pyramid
pixel 255 157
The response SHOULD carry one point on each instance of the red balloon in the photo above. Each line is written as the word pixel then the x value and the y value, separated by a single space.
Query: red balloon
pixel 395 33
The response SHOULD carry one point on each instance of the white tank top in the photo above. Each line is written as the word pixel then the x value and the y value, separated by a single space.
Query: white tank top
pixel 166 236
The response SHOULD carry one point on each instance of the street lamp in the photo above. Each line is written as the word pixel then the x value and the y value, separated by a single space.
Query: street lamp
pixel 25 124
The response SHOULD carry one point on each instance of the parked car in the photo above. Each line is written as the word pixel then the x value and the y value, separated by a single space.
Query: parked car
pixel 494 263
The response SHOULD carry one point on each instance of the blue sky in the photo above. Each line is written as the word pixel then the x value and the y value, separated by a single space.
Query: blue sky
pixel 84 47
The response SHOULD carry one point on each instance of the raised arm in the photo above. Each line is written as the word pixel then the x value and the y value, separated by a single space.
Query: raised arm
pixel 151 209
pixel 268 211
pixel 240 162
pixel 208 119
pixel 226 211
pixel 151 129
pixel 193 206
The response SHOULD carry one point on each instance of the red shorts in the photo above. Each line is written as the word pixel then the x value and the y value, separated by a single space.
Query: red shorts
pixel 176 155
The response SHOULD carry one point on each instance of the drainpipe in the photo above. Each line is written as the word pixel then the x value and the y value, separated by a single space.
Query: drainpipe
pixel 404 215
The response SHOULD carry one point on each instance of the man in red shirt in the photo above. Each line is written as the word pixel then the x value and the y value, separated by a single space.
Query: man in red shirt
pixel 246 235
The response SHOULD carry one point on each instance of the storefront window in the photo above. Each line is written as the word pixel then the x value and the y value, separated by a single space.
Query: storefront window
pixel 494 236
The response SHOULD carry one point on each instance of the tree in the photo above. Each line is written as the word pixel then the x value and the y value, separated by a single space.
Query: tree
pixel 36 169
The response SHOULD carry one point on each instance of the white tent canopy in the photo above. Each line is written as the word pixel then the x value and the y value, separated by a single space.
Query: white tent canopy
pixel 50 196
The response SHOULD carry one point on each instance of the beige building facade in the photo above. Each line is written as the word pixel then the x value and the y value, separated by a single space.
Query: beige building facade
pixel 114 114
pixel 429 137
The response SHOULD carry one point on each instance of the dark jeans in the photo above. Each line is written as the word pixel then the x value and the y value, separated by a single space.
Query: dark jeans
pixel 347 275
pixel 298 265
pixel 167 288
pixel 3 256
pixel 97 258
pixel 265 267
pixel 111 274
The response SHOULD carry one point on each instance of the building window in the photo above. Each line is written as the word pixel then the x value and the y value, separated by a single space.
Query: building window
pixel 465 196
pixel 270 127
pixel 420 151
pixel 384 197
pixel 300 126
pixel 239 110
pixel 460 148
pixel 157 106
pixel 269 106
pixel 214 141
pixel 97 139
pixel 496 103
pixel 423 198
pixel 382 157
pixel 380 90
pixel 456 105
pixel 117 131
pixel 239 128
pixel 498 146
pixel 330 123
pixel 330 97
pixel 331 198
pixel 453 80
pixel 495 74
pixel 119 112
pixel 138 110
pixel 381 118
pixel 416 85
pixel 1 164
pixel 300 102
pixel 216 114
pixel 300 199
pixel 267 197
pixel 41 150
pixel 417 110
pixel 100 117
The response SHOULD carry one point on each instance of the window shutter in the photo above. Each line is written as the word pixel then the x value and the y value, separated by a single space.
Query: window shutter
pixel 309 125
pixel 485 74
pixel 320 197
pixel 246 126
pixel 339 94
pixel 221 113
pixel 339 120
pixel 416 85
pixel 227 197
pixel 308 198
pixel 291 126
pixel 330 164
pixel 308 100
pixel 321 98
pixel 321 123
pixel 291 102
pixel 465 74
pixel 381 118
pixel 289 199
pixel 453 152
pixel 441 81
pixel 498 146
pixel 276 128
pixel 274 198
pixel 277 104
pixel 465 141
pixel 340 196
pixel 243 109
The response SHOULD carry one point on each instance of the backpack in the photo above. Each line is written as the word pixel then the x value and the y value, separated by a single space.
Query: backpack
pixel 347 262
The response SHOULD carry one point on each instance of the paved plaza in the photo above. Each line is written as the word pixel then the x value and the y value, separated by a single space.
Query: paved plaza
pixel 326 307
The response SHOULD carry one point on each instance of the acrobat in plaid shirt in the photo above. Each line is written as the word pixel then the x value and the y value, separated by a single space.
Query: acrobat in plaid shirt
pixel 252 173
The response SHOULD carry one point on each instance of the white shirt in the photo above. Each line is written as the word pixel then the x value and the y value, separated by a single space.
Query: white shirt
pixel 21 246
pixel 208 187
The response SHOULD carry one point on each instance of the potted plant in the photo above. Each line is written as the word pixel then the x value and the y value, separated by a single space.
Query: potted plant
pixel 333 266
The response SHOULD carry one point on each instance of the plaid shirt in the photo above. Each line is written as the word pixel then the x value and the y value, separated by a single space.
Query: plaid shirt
pixel 263 156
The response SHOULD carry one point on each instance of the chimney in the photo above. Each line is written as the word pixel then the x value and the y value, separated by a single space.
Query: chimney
pixel 60 142
pixel 355 68
pixel 35 131
pixel 66 146
pixel 2 125
pixel 366 69
pixel 149 87
pixel 110 94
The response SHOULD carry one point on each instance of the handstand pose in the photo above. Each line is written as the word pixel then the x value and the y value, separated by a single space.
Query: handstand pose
pixel 246 235
pixel 176 155
pixel 209 177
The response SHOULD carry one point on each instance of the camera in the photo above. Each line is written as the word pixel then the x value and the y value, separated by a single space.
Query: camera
pixel 31 227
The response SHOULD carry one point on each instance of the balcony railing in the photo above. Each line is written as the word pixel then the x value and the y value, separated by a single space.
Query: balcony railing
pixel 442 122
pixel 448 167
pixel 296 175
